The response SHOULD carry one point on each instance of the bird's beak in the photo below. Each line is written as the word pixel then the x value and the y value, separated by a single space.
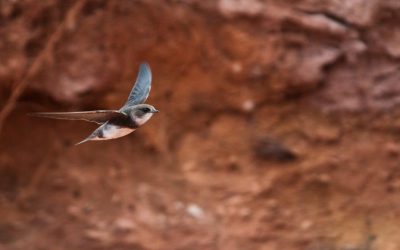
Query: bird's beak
pixel 155 111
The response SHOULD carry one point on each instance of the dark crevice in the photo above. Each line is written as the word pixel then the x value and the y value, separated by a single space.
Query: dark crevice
pixel 44 19
pixel 33 47
pixel 335 18
pixel 91 7
pixel 16 12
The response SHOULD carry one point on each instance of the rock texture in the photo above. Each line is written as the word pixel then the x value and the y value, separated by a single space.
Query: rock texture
pixel 279 125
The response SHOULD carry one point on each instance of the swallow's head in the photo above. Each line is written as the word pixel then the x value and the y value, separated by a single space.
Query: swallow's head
pixel 143 109
pixel 142 113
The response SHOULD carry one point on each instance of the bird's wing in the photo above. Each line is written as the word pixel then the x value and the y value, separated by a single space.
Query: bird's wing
pixel 141 89
pixel 97 116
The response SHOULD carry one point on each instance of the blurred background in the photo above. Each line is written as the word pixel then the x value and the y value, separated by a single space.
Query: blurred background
pixel 279 125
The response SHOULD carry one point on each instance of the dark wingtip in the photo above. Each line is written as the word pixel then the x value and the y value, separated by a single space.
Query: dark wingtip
pixel 39 115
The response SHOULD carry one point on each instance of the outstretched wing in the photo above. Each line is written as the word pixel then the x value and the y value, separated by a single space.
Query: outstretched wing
pixel 97 116
pixel 141 89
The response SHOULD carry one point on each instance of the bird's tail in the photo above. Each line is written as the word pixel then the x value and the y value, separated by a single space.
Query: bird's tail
pixel 85 140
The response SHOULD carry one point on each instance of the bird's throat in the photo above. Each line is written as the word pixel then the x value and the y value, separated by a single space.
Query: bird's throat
pixel 142 119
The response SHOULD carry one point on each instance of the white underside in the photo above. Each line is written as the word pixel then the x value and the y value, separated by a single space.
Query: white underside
pixel 142 120
pixel 112 132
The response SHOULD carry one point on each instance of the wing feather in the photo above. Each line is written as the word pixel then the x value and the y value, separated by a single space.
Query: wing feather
pixel 97 116
pixel 142 87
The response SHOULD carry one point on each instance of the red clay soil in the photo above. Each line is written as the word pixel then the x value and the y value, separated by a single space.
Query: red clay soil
pixel 279 126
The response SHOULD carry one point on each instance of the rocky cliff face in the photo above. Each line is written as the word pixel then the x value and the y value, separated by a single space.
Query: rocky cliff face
pixel 345 53
pixel 278 126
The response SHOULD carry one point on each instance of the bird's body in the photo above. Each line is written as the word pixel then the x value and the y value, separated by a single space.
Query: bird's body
pixel 109 131
pixel 119 126
pixel 116 123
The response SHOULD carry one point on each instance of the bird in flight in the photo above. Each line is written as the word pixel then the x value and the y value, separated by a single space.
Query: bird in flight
pixel 116 123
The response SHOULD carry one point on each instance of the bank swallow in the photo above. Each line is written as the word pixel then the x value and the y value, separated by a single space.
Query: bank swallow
pixel 116 123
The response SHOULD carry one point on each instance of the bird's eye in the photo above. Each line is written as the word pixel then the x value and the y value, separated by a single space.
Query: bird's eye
pixel 146 110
